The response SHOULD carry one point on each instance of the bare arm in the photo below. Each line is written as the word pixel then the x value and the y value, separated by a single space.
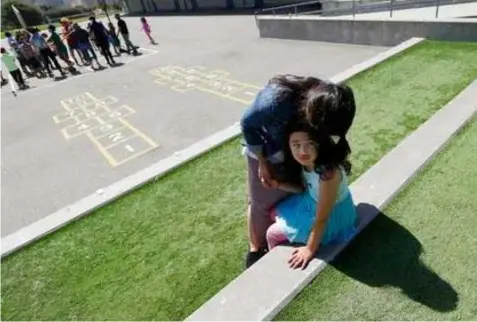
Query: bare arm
pixel 328 195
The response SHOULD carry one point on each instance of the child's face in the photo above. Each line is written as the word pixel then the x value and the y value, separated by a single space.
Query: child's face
pixel 303 148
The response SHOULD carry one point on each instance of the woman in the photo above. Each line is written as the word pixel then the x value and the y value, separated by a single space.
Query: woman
pixel 263 126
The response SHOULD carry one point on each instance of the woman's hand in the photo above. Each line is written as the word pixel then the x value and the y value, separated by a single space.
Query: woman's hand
pixel 264 174
pixel 301 257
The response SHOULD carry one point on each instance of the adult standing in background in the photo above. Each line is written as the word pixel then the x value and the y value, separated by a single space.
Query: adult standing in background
pixel 124 31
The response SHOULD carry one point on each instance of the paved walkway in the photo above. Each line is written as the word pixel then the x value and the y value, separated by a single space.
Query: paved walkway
pixel 63 141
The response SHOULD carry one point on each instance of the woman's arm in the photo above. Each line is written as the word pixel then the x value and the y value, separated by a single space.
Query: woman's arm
pixel 257 116
pixel 287 187
pixel 328 195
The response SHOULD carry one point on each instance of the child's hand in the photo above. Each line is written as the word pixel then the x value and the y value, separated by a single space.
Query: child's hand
pixel 301 257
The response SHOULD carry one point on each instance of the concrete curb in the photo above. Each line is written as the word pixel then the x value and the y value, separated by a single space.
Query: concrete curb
pixel 272 284
pixel 62 217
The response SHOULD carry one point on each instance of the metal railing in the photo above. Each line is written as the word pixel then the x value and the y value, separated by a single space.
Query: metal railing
pixel 356 7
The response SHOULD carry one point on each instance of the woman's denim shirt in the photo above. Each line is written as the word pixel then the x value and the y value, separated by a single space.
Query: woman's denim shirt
pixel 263 123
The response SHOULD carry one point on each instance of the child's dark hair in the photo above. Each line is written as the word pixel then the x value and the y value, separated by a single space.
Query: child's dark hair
pixel 143 19
pixel 331 153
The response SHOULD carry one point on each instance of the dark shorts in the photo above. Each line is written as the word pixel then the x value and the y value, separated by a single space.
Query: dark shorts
pixel 84 46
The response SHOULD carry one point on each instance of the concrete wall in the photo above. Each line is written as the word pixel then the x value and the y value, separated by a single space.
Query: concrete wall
pixel 162 6
pixel 364 6
pixel 365 32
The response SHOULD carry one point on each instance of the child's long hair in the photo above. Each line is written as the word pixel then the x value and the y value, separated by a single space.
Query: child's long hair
pixel 331 153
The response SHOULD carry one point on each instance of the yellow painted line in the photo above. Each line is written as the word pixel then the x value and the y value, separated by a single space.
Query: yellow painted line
pixel 139 133
pixel 134 156
pixel 57 120
pixel 103 103
pixel 65 134
pixel 102 150
pixel 109 132
pixel 121 141
pixel 225 96
pixel 159 82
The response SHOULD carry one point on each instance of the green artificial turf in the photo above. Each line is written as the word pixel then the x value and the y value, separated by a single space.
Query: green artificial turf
pixel 417 261
pixel 163 250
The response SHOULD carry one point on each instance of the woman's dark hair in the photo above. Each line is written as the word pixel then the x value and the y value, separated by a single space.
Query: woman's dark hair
pixel 329 107
pixel 294 86
pixel 330 154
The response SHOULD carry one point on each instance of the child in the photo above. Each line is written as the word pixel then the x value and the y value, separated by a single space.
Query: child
pixel 59 48
pixel 9 61
pixel 49 58
pixel 84 45
pixel 31 54
pixel 114 39
pixel 4 80
pixel 324 213
pixel 147 29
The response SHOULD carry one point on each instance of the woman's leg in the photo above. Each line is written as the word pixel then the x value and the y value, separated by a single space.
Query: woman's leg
pixel 261 200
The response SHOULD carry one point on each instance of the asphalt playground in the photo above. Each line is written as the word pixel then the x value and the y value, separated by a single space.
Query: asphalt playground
pixel 63 140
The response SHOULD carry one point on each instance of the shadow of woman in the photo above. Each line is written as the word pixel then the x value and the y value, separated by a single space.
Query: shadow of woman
pixel 387 254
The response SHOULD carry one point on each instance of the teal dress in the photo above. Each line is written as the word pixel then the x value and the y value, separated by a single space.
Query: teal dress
pixel 296 214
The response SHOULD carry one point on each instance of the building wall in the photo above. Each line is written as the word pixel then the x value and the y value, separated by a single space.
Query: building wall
pixel 153 6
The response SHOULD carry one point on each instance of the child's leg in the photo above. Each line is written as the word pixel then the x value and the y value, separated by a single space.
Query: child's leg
pixel 17 76
pixel 150 37
pixel 275 236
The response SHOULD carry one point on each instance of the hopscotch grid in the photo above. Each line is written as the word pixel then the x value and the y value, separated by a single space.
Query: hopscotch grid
pixel 127 138
pixel 182 80
pixel 112 161
pixel 108 132
pixel 79 107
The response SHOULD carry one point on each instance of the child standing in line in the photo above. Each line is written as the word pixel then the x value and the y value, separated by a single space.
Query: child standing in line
pixel 59 48
pixel 147 29
pixel 322 211
pixel 10 64
pixel 84 45
pixel 114 39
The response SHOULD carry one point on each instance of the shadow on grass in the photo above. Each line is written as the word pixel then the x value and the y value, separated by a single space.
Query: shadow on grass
pixel 387 254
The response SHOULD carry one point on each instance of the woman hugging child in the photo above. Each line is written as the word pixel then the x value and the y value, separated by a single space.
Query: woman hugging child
pixel 322 210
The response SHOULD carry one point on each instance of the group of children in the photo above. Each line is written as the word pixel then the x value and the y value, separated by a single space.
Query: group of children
pixel 37 52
